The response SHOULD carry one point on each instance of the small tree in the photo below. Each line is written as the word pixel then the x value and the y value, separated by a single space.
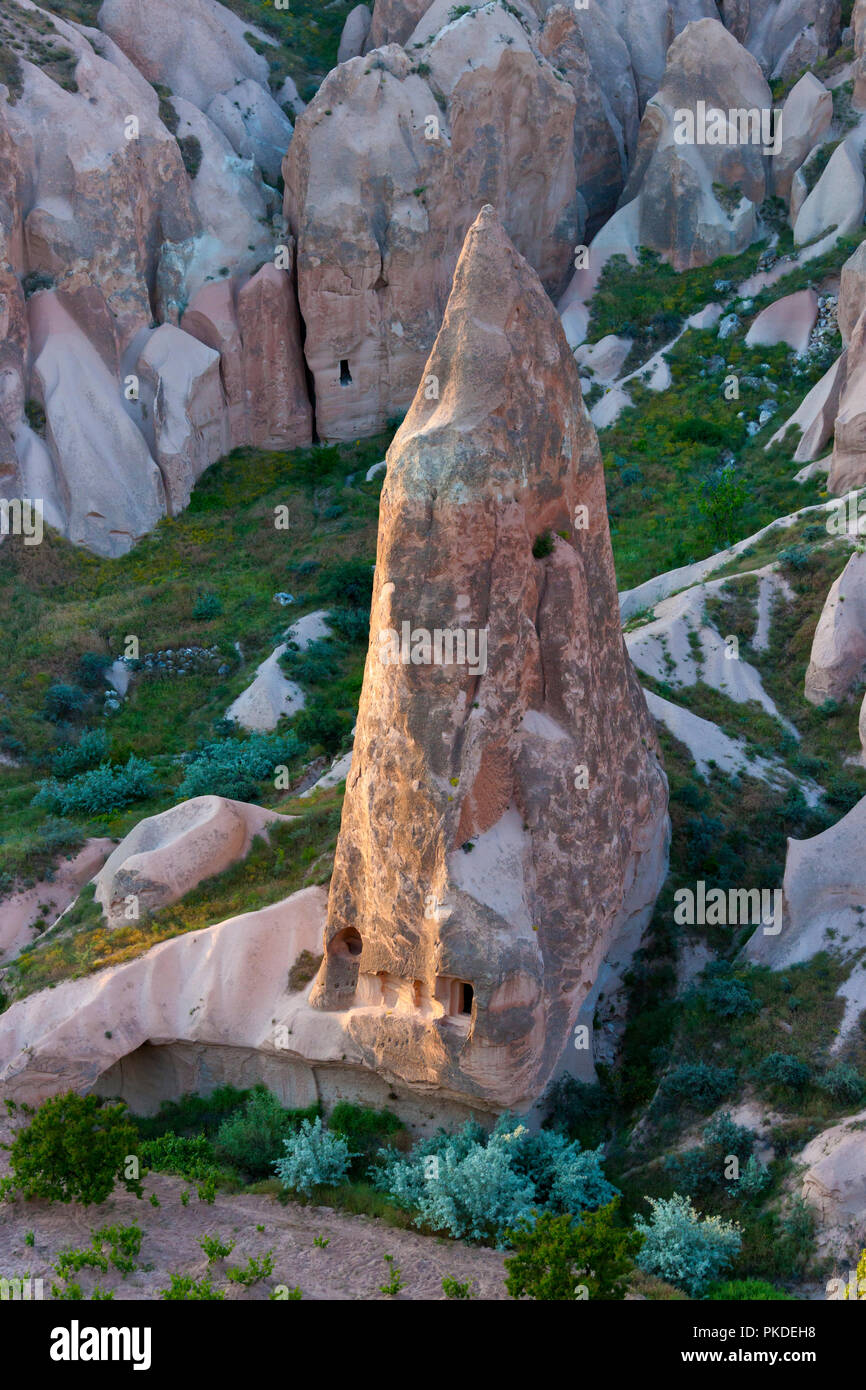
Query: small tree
pixel 314 1157
pixel 721 502
pixel 684 1248
pixel 555 1257
pixel 74 1150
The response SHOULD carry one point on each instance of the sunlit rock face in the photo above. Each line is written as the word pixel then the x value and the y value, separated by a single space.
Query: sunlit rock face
pixel 388 167
pixel 505 818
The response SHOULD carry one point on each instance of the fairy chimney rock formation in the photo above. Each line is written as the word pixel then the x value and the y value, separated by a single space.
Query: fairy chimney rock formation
pixel 505 817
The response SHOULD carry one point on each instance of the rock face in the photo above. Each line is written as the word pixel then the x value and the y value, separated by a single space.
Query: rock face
pixel 852 293
pixel 256 332
pixel 182 391
pixel 834 1183
pixel 354 35
pixel 165 856
pixel 839 645
pixel 789 320
pixel 848 465
pixel 676 177
pixel 388 166
pixel 505 815
pixel 838 199
pixel 784 35
pixel 816 416
pixel 806 115
pixel 858 22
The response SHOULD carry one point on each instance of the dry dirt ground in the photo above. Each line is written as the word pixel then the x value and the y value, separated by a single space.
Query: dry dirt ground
pixel 351 1266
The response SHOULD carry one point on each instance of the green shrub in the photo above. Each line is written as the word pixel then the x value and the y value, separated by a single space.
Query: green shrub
pixel 252 1138
pixel 91 669
pixel 91 749
pixel 322 726
pixel 74 1149
pixel 313 1157
pixel 253 1271
pixel 453 1288
pixel 542 546
pixel 557 1258
pixel 351 623
pixel 698 1083
pixel 782 1069
pixel 478 1186
pixel 207 606
pixel 183 1286
pixel 754 1290
pixel 236 767
pixel 683 1247
pixel 698 1171
pixel 102 789
pixel 63 702
pixel 190 1158
pixel 725 995
pixel 365 1130
pixel 843 1082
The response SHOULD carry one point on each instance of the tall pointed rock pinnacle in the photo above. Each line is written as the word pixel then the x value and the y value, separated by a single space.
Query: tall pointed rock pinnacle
pixel 505 827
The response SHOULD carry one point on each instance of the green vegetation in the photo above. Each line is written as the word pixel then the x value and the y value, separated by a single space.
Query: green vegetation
pixel 72 1149
pixel 556 1257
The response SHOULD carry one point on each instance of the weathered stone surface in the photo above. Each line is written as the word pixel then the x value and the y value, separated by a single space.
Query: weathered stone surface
pixel 839 646
pixel 678 213
pixel 163 857
pixel 257 333
pixel 254 124
pixel 834 1184
pixel 600 150
pixel 195 50
pixel 355 32
pixel 648 31
pixel 806 115
pixel 97 207
pixel 278 410
pixel 848 465
pixel 186 409
pixel 108 486
pixel 784 36
pixel 379 210
pixel 838 199
pixel 816 416
pixel 788 320
pixel 852 293
pixel 858 23
pixel 468 853
pixel 393 21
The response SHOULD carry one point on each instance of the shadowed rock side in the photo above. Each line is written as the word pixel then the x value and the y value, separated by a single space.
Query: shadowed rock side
pixel 478 884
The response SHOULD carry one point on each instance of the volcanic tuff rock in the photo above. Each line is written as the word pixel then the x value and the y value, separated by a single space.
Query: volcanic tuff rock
pixel 806 116
pixel 387 168
pixel 165 856
pixel 848 465
pixel 674 184
pixel 784 35
pixel 504 821
pixel 839 646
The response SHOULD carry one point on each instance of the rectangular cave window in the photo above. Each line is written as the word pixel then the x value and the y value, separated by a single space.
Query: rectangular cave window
pixel 345 374
pixel 465 995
